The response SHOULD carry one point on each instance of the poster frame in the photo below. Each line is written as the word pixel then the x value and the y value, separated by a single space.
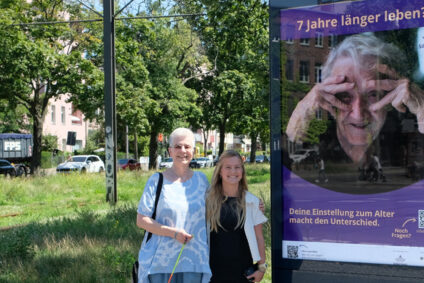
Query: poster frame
pixel 290 270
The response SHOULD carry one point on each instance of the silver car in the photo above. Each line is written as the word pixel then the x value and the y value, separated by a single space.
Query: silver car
pixel 204 162
pixel 166 163
pixel 81 163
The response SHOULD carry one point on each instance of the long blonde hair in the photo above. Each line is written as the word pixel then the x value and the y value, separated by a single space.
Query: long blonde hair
pixel 216 197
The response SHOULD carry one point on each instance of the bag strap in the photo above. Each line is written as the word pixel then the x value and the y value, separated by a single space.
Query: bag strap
pixel 158 191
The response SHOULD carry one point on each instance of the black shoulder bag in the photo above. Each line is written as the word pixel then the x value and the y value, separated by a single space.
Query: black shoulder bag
pixel 149 235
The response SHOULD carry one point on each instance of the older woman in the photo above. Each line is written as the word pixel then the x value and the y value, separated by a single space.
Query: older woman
pixel 235 219
pixel 180 218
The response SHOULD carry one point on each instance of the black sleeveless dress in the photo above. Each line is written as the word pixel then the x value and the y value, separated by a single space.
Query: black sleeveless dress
pixel 229 250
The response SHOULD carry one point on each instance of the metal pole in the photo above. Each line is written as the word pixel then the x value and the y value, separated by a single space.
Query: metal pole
pixel 126 142
pixel 110 113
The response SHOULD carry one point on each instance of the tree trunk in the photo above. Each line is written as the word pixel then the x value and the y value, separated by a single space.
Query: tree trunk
pixel 253 138
pixel 205 142
pixel 135 146
pixel 221 138
pixel 37 135
pixel 153 150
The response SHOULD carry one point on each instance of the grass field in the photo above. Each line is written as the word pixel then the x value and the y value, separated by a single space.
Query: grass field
pixel 60 229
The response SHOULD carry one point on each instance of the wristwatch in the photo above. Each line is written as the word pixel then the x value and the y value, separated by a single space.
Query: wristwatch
pixel 262 267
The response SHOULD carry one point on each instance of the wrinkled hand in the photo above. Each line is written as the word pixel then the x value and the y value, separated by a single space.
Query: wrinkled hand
pixel 404 95
pixel 183 237
pixel 256 276
pixel 321 95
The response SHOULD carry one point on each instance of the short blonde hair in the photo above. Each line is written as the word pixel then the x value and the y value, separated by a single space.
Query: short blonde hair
pixel 181 132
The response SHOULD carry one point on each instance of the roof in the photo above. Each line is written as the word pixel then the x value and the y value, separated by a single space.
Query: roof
pixel 15 136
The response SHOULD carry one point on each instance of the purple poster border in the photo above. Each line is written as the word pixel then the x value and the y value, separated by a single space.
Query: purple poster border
pixel 351 18
pixel 315 214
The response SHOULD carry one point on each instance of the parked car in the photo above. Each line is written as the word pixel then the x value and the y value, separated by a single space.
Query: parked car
pixel 261 159
pixel 82 163
pixel 166 163
pixel 131 164
pixel 303 155
pixel 202 162
pixel 194 164
pixel 6 168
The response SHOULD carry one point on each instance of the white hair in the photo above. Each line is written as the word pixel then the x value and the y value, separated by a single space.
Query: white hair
pixel 366 50
pixel 181 132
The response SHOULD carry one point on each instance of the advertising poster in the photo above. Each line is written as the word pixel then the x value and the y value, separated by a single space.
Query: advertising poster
pixel 353 132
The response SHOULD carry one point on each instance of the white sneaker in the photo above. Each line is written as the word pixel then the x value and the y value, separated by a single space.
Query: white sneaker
pixel 316 181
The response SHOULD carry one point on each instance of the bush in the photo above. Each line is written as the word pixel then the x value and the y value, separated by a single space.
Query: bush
pixel 49 160
pixel 16 243
pixel 49 142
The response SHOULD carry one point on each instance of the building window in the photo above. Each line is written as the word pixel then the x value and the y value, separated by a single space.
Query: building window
pixel 62 114
pixel 53 113
pixel 304 41
pixel 318 114
pixel 332 40
pixel 318 73
pixel 319 39
pixel 290 30
pixel 78 145
pixel 289 70
pixel 63 144
pixel 304 71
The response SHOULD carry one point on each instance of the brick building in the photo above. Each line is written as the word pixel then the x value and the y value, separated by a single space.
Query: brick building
pixel 304 61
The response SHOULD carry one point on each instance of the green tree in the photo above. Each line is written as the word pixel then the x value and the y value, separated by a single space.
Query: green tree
pixel 170 61
pixel 38 63
pixel 235 37
pixel 49 142
pixel 153 61
pixel 13 117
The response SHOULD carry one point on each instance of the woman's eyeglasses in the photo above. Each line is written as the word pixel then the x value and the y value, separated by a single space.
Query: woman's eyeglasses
pixel 181 146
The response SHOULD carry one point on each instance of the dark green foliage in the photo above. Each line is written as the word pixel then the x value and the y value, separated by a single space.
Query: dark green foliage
pixel 315 129
pixel 49 142
pixel 17 243
pixel 235 38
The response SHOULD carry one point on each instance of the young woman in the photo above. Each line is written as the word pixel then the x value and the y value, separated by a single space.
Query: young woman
pixel 235 220
pixel 180 218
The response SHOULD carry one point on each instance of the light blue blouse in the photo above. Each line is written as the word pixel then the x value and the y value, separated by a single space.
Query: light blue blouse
pixel 181 205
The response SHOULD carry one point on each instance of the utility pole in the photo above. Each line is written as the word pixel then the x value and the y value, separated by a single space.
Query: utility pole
pixel 109 18
pixel 110 106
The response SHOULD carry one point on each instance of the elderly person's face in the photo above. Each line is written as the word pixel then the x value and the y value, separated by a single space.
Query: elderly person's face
pixel 181 150
pixel 358 126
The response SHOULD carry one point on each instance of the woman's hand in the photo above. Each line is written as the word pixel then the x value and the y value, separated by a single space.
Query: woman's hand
pixel 261 206
pixel 182 236
pixel 256 276
pixel 404 94
pixel 154 227
pixel 321 95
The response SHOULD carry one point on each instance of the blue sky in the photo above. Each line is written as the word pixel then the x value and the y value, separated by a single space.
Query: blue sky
pixel 133 7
